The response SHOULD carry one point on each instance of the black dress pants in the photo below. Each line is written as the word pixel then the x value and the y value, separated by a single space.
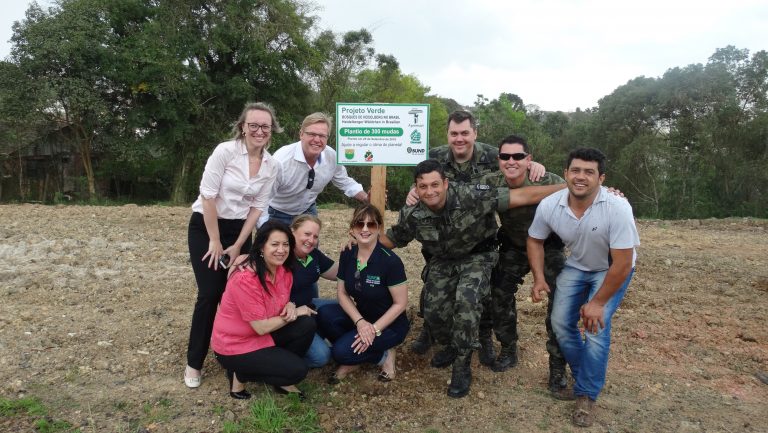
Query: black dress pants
pixel 280 365
pixel 210 283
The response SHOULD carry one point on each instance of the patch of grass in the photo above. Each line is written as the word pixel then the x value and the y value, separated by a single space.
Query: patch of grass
pixel 544 423
pixel 158 411
pixel 219 410
pixel 120 405
pixel 46 425
pixel 270 416
pixel 31 407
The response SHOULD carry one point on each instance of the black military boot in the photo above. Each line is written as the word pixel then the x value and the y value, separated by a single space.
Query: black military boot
pixel 423 342
pixel 558 382
pixel 444 357
pixel 461 377
pixel 507 358
pixel 486 354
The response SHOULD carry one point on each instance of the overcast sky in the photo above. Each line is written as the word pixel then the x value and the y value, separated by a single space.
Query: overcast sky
pixel 557 54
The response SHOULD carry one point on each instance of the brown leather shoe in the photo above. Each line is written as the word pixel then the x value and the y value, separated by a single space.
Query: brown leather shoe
pixel 584 414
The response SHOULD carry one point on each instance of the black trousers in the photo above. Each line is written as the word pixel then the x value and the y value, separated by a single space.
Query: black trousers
pixel 280 365
pixel 210 283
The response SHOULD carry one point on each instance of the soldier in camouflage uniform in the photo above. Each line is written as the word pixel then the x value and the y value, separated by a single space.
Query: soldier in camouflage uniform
pixel 464 161
pixel 514 158
pixel 456 227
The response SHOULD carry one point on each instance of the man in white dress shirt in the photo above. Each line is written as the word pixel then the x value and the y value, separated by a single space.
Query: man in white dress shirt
pixel 307 166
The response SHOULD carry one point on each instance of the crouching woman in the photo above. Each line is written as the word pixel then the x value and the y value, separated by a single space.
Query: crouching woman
pixel 369 321
pixel 258 335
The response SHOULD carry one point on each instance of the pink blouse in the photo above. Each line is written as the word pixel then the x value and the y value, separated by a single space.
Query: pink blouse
pixel 244 301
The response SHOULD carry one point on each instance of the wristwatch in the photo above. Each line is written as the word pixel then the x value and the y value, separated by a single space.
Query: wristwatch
pixel 378 331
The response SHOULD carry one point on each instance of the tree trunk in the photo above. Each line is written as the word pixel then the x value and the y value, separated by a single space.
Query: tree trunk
pixel 85 152
pixel 179 188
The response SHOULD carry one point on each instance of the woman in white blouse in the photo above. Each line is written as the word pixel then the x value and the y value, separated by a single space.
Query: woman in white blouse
pixel 235 190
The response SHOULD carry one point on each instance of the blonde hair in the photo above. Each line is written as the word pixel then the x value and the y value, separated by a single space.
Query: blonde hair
pixel 237 130
pixel 317 118
pixel 301 219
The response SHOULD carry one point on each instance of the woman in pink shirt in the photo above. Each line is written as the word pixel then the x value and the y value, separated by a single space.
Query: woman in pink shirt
pixel 258 334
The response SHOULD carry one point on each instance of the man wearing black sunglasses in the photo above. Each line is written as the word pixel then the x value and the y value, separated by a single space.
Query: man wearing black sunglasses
pixel 465 161
pixel 307 166
pixel 456 225
pixel 513 161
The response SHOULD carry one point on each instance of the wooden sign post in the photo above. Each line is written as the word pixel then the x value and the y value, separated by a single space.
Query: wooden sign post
pixel 379 187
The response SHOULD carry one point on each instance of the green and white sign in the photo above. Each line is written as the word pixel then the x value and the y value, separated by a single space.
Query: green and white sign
pixel 382 134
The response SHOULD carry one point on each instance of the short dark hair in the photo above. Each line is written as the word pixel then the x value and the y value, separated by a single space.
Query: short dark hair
pixel 366 210
pixel 428 166
pixel 255 257
pixel 459 116
pixel 587 154
pixel 515 139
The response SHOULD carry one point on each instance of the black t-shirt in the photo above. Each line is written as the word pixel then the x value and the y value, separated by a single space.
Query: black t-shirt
pixel 370 289
pixel 305 274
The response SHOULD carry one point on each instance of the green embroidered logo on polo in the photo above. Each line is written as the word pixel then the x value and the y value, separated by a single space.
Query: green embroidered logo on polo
pixel 373 280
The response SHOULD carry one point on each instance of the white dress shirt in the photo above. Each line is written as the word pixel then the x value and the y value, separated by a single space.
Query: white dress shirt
pixel 226 178
pixel 291 195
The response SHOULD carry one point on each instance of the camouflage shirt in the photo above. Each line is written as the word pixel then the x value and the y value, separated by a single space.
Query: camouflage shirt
pixel 516 221
pixel 482 163
pixel 467 220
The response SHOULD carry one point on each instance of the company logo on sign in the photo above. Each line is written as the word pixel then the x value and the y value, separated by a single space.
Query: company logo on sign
pixel 415 112
pixel 368 156
pixel 416 151
pixel 349 153
pixel 415 137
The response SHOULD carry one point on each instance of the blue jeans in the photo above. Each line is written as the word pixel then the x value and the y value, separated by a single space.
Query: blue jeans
pixel 588 354
pixel 283 217
pixel 319 353
pixel 334 323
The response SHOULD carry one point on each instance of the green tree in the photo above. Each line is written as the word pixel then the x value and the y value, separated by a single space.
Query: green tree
pixel 195 63
pixel 69 52
pixel 341 60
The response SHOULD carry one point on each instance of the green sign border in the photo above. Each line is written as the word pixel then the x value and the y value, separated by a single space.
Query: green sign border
pixel 359 164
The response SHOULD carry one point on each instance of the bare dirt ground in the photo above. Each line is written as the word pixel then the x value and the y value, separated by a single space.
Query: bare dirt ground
pixel 95 304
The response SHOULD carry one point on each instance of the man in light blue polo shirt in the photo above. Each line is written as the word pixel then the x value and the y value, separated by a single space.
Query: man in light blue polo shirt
pixel 599 229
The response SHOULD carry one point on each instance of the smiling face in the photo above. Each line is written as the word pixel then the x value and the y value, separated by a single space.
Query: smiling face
pixel 275 250
pixel 432 189
pixel 514 171
pixel 307 236
pixel 583 179
pixel 365 230
pixel 256 121
pixel 314 138
pixel 461 139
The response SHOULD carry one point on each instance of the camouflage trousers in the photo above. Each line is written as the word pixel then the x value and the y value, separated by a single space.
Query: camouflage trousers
pixel 507 277
pixel 453 299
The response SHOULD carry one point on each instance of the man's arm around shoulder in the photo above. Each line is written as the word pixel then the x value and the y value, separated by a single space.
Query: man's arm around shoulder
pixel 529 195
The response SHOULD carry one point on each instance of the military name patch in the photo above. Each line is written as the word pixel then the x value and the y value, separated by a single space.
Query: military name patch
pixel 482 187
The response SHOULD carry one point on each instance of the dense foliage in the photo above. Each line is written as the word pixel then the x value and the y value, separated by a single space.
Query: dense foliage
pixel 140 91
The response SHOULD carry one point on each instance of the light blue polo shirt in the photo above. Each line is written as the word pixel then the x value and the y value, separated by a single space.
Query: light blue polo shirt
pixel 608 223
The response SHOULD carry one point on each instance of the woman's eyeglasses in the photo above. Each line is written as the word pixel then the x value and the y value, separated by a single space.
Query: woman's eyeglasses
pixel 372 225
pixel 516 156
pixel 253 127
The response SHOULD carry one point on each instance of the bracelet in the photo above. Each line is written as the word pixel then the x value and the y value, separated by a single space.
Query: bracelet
pixel 361 318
